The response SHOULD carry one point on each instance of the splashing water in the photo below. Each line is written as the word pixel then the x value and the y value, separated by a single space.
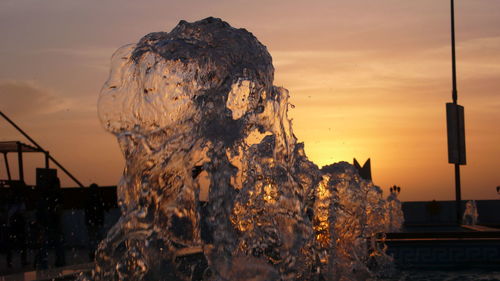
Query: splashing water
pixel 215 185
pixel 470 214
pixel 394 214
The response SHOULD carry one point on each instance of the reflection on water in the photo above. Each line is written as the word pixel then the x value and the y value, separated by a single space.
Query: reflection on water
pixel 215 185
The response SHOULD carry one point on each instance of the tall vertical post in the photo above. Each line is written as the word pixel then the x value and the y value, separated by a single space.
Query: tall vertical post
pixel 20 161
pixel 454 96
pixel 7 166
pixel 46 153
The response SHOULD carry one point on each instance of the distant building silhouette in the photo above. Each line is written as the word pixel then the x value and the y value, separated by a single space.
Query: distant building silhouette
pixel 366 171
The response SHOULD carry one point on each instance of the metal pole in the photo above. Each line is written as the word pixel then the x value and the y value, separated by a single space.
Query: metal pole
pixel 7 166
pixel 39 147
pixel 458 196
pixel 454 96
pixel 20 161
pixel 46 159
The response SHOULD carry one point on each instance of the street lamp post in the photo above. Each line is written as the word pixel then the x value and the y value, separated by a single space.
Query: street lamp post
pixel 455 124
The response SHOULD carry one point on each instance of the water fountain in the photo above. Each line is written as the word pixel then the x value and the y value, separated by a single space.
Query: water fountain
pixel 216 186
pixel 470 214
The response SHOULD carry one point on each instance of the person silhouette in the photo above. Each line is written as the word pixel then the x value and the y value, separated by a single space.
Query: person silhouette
pixel 16 225
pixel 94 218
pixel 49 226
pixel 41 227
pixel 56 235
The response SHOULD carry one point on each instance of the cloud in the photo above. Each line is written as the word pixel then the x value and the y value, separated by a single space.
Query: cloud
pixel 22 98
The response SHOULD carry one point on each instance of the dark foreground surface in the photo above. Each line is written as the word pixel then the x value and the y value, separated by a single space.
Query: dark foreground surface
pixel 445 247
pixel 71 273
pixel 444 275
pixel 66 273
pixel 421 252
pixel 74 257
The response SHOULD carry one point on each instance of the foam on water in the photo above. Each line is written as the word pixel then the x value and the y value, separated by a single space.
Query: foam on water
pixel 215 185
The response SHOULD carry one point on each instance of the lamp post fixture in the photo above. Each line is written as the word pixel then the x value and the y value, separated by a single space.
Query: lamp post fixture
pixel 395 189
pixel 455 125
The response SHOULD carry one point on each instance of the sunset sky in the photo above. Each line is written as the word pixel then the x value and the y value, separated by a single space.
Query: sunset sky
pixel 368 78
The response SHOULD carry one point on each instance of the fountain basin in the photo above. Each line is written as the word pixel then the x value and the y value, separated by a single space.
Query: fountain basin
pixel 451 247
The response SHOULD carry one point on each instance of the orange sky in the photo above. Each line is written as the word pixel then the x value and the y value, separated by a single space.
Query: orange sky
pixel 367 78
